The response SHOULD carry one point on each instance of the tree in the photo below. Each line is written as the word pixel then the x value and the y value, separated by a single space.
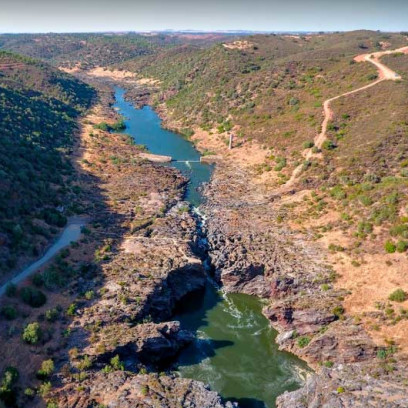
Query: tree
pixel 47 368
pixel 32 334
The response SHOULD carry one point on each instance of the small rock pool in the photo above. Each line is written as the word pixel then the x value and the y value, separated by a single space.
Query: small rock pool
pixel 235 350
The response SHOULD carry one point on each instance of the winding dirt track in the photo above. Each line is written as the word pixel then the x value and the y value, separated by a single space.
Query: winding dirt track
pixel 384 74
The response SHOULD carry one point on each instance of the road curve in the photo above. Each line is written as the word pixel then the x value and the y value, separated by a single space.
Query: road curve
pixel 384 74
pixel 72 232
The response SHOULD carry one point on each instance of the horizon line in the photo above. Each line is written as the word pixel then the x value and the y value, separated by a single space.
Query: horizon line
pixel 194 31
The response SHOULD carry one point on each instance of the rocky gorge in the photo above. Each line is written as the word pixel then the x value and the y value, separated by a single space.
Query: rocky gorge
pixel 252 252
pixel 144 251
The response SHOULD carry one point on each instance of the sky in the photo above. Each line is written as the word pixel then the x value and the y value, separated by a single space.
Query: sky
pixel 205 15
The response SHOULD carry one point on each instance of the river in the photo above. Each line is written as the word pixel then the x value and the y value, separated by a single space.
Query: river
pixel 235 350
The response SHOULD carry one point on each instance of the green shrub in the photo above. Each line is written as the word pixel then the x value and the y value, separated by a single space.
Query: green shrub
pixel 47 368
pixel 187 133
pixel 398 296
pixel 364 228
pixel 85 363
pixel 365 200
pixel 33 297
pixel 402 246
pixel 116 363
pixel 308 145
pixel 72 309
pixel 390 247
pixel 44 389
pixel 338 193
pixel 338 311
pixel 29 392
pixel 340 390
pixel 7 392
pixel 32 333
pixel 329 145
pixel 303 341
pixel 54 278
pixel 52 314
pixel 399 230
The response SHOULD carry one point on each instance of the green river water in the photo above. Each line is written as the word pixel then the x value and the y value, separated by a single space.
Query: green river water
pixel 235 350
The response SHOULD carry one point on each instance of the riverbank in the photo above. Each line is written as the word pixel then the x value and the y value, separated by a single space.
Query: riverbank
pixel 107 300
pixel 254 251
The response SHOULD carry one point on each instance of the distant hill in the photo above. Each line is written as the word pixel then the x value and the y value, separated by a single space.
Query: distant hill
pixel 38 109
pixel 98 49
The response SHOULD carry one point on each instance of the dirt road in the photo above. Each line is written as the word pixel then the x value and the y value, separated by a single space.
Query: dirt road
pixel 72 232
pixel 384 74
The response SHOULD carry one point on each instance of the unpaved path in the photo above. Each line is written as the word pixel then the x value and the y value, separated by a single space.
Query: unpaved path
pixel 72 232
pixel 384 74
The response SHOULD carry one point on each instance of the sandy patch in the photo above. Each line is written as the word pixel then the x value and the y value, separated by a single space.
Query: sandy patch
pixel 238 45
pixel 102 72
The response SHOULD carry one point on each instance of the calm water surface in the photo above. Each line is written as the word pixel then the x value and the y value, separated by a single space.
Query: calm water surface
pixel 235 350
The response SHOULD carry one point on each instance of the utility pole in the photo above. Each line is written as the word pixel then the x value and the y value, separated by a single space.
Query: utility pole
pixel 230 141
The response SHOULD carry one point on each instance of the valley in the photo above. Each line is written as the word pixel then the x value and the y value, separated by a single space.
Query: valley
pixel 296 235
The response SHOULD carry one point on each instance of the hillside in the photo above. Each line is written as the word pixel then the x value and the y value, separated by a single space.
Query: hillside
pixel 270 89
pixel 38 110
pixel 92 50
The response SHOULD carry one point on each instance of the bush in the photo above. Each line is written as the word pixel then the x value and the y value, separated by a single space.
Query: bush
pixel 85 363
pixel 338 311
pixel 32 334
pixel 308 145
pixel 398 296
pixel 9 312
pixel 329 145
pixel 7 393
pixel 365 200
pixel 72 309
pixel 52 314
pixel 116 363
pixel 29 392
pixel 33 297
pixel 44 389
pixel 364 228
pixel 53 278
pixel 402 246
pixel 390 247
pixel 47 368
pixel 338 193
pixel 89 295
pixel 303 341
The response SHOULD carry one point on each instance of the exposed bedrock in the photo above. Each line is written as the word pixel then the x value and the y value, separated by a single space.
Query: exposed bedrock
pixel 123 390
pixel 253 253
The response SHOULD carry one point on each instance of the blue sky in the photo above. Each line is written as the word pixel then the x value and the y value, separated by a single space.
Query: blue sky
pixel 147 15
